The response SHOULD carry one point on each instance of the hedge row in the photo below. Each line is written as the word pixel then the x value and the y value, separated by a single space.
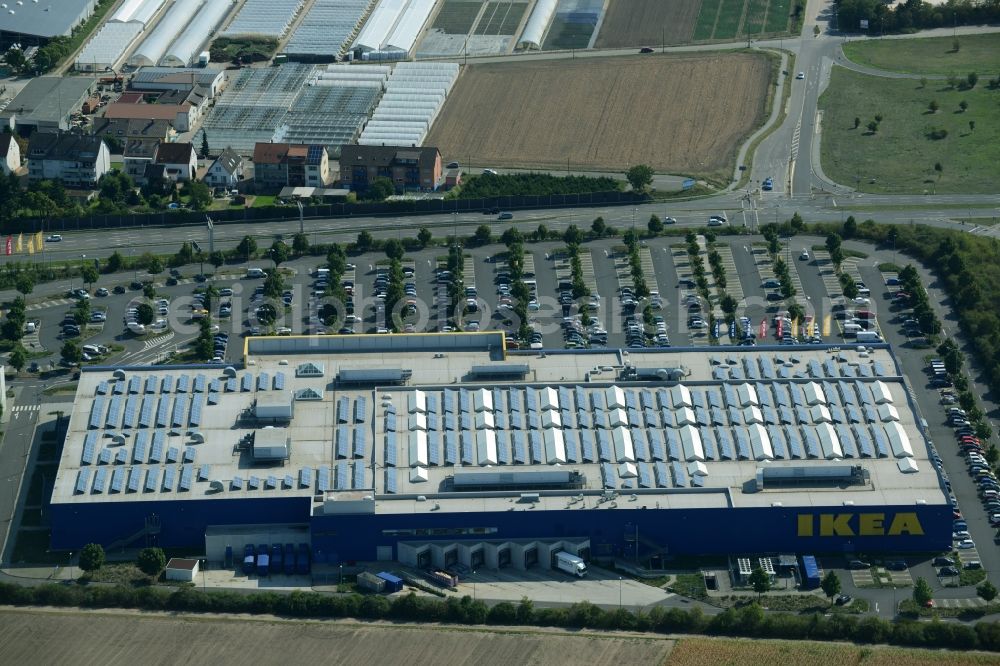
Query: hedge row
pixel 750 621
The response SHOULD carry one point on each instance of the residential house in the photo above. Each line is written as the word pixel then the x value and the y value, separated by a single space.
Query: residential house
pixel 77 160
pixel 179 161
pixel 180 116
pixel 10 154
pixel 409 168
pixel 226 171
pixel 138 155
pixel 126 131
pixel 278 165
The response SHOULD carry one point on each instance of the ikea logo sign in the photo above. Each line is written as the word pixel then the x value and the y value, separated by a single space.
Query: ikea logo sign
pixel 859 524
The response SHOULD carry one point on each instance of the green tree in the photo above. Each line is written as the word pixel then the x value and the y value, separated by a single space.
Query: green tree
pixel 857 122
pixel 482 235
pixel 144 314
pixel 24 283
pixel 266 314
pixel 599 227
pixel 204 344
pixel 850 227
pixel 933 106
pixel 939 168
pixel 830 585
pixel 274 285
pixel 151 561
pixel 832 242
pixel 972 125
pixel 155 266
pixel 199 194
pixel 655 224
pixel 542 232
pixel 300 244
pixel 872 126
pixel 796 223
pixel 115 262
pixel 879 117
pixel 81 311
pixel 511 236
pixel 18 357
pixel 204 144
pixel 972 79
pixel 380 189
pixel 639 177
pixel 70 352
pixel 922 592
pixel 89 274
pixel 760 581
pixel 279 253
pixel 572 235
pixel 394 249
pixel 15 59
pixel 424 237
pixel 987 591
pixel 247 247
pixel 963 105
pixel 217 258
pixel 365 241
pixel 92 557
pixel 148 290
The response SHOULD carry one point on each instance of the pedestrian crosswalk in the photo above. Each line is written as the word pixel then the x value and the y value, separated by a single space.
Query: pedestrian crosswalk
pixel 25 408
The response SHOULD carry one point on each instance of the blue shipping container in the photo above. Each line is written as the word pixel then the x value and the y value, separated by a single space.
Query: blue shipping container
pixel 810 572
pixel 263 559
pixel 392 583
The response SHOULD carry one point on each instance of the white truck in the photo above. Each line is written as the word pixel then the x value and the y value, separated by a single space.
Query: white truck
pixel 571 564
pixel 869 336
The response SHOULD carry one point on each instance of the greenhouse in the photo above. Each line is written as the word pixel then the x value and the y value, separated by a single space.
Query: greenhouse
pixel 414 95
pixel 185 48
pixel 326 29
pixel 172 24
pixel 538 23
pixel 107 48
pixel 264 18
pixel 393 26
pixel 137 10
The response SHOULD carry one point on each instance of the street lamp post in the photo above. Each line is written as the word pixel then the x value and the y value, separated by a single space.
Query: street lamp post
pixel 473 585
pixel 340 581
pixel 619 592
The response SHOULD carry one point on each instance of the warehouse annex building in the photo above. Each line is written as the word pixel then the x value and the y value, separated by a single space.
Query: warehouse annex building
pixel 437 448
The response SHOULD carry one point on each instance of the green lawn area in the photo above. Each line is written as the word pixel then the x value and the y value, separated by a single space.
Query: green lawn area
pixel 931 56
pixel 901 156
pixel 263 200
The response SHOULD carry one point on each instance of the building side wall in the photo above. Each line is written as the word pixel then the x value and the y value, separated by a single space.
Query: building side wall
pixel 616 533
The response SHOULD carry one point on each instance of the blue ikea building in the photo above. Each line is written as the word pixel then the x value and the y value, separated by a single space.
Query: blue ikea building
pixel 436 449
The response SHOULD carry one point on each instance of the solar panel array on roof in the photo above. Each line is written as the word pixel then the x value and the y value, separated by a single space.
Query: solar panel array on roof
pixel 168 384
pixel 608 475
pixel 679 475
pixel 271 482
pixel 106 456
pixel 82 480
pixel 204 472
pixel 131 411
pixel 323 479
pixel 215 386
pixel 360 441
pixel 199 383
pixel 305 477
pixel 189 453
pixel 187 477
pixel 141 446
pixel 180 404
pixel 811 443
pixel 343 405
pixel 231 385
pixel 173 454
pixel 246 383
pixel 343 442
pixel 134 479
pixel 253 483
pixel 662 475
pixel 169 476
pixel 121 456
pixel 213 398
pixel 151 384
pixel 152 479
pixel 726 449
pixel 100 480
pixel 391 484
pixel 102 388
pixel 183 384
pixel 279 381
pixel 343 476
pixel 146 412
pixel 117 479
pixel 194 418
pixel 358 477
pixel 89 448
pixel 114 412
pixel 119 387
pixel 159 441
pixel 236 483
pixel 163 413
pixel 433 448
pixel 391 449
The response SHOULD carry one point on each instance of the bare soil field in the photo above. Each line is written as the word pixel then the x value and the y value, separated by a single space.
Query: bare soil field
pixel 732 652
pixel 81 637
pixel 648 23
pixel 678 114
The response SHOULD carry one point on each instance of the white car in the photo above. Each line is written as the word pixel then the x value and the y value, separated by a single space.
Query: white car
pixel 53 238
pixel 965 544
pixel 800 76
pixel 861 300
pixel 804 256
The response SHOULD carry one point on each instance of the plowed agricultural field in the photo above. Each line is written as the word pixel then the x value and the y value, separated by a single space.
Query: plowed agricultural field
pixel 121 638
pixel 648 23
pixel 684 114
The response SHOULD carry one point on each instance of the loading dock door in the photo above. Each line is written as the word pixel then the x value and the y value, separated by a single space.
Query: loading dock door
pixel 424 559
pixel 530 557
pixel 451 557
pixel 503 557
pixel 477 558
